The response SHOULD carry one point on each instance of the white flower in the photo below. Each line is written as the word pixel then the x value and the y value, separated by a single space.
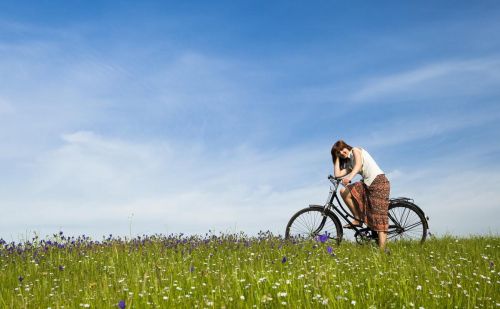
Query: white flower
pixel 282 294
pixel 242 297
pixel 419 287
pixel 353 302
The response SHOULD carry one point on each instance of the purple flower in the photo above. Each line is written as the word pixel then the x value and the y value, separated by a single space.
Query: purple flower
pixel 121 304
pixel 21 278
pixel 61 268
pixel 283 260
pixel 191 269
pixel 492 265
pixel 323 238
pixel 330 250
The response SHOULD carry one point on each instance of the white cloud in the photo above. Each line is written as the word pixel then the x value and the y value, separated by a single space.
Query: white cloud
pixel 458 202
pixel 449 79
pixel 93 182
pixel 417 127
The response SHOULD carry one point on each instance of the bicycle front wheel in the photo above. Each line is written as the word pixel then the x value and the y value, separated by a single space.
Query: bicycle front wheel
pixel 406 222
pixel 311 222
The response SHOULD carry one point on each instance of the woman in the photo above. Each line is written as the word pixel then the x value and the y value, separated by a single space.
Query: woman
pixel 368 199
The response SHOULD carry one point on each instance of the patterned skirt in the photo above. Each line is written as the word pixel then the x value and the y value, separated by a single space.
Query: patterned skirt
pixel 373 202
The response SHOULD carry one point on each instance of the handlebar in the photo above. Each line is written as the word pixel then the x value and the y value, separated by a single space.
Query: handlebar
pixel 330 177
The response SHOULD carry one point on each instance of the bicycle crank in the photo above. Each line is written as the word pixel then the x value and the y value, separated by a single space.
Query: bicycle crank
pixel 365 236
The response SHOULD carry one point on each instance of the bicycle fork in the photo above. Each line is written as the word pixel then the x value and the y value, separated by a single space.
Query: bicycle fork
pixel 321 225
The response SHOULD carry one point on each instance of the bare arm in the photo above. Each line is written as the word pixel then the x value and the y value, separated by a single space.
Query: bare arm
pixel 358 164
pixel 336 169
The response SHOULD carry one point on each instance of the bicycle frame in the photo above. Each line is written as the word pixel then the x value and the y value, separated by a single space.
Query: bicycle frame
pixel 331 207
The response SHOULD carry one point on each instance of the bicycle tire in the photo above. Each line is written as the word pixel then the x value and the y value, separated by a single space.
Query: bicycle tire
pixel 308 223
pixel 406 222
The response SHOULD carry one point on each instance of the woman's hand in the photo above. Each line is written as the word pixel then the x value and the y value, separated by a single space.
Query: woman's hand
pixel 346 180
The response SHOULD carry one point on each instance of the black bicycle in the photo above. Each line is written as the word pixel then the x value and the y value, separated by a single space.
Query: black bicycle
pixel 406 221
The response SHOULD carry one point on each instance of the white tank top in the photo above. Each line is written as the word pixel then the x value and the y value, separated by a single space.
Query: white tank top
pixel 369 168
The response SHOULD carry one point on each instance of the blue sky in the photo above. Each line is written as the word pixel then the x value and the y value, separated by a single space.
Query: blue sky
pixel 164 117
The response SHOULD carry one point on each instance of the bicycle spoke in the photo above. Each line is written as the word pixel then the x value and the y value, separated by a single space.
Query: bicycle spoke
pixel 405 224
pixel 311 223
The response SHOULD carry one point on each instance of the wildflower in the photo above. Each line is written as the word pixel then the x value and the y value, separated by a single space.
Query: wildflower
pixel 283 260
pixel 242 297
pixel 61 267
pixel 419 287
pixel 323 237
pixel 121 304
pixel 21 278
pixel 330 250
pixel 282 294
pixel 492 265
pixel 191 269
pixel 353 302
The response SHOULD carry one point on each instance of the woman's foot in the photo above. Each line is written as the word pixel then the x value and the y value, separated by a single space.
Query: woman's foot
pixel 353 224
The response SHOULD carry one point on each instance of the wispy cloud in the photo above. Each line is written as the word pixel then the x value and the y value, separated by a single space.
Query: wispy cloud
pixel 458 201
pixel 91 178
pixel 424 127
pixel 448 78
pixel 95 183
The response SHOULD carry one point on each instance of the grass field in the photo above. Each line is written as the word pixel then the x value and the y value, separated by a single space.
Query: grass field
pixel 237 271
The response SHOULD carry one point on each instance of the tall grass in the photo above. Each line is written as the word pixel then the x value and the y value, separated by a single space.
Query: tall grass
pixel 237 271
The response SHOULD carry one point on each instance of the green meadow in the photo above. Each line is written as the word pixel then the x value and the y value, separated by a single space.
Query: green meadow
pixel 238 271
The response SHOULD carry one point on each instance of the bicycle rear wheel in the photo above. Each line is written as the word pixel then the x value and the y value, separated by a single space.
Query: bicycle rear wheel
pixel 406 222
pixel 311 222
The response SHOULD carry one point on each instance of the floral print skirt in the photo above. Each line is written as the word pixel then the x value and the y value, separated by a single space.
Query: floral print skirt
pixel 373 202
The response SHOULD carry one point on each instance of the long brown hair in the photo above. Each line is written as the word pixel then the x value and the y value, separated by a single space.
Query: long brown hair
pixel 338 146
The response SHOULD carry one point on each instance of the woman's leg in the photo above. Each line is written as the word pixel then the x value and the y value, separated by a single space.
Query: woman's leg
pixel 382 237
pixel 352 204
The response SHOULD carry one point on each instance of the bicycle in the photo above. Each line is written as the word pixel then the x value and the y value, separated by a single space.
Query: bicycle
pixel 407 221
